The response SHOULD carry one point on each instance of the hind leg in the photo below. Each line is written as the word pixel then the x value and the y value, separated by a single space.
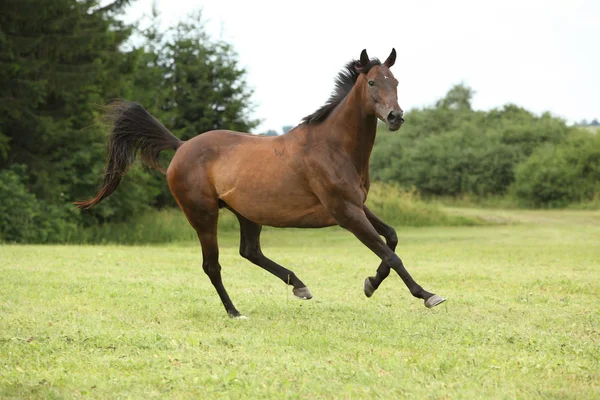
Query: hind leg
pixel 203 217
pixel 250 250
pixel 212 268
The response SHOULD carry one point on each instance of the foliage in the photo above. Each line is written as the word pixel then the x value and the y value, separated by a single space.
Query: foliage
pixel 399 207
pixel 60 60
pixel 192 84
pixel 24 218
pixel 208 85
pixel 556 175
pixel 452 150
pixel 454 163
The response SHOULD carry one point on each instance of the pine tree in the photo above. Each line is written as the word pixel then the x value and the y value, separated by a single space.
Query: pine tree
pixel 62 59
pixel 208 88
pixel 191 83
pixel 59 59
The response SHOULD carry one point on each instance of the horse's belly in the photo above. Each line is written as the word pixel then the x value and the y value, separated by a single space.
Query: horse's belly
pixel 281 211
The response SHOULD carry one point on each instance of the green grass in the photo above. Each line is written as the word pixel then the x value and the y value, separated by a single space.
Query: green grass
pixel 521 321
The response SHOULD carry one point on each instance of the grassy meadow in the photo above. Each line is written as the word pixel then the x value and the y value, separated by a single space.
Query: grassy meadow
pixel 522 318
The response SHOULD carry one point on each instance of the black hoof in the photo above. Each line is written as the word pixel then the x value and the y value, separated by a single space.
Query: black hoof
pixel 234 314
pixel 434 301
pixel 368 287
pixel 302 293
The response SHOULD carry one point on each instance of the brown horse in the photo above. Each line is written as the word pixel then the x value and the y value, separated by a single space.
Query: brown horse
pixel 316 175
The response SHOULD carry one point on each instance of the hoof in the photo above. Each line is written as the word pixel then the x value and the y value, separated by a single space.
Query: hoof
pixel 368 288
pixel 235 314
pixel 434 301
pixel 302 293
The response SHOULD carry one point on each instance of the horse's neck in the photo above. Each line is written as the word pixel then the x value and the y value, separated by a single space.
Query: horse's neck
pixel 354 130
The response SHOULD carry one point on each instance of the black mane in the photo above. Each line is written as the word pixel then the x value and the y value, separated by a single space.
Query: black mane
pixel 344 83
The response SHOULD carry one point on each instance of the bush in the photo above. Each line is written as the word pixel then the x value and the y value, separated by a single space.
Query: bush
pixel 399 207
pixel 459 162
pixel 556 175
pixel 24 218
pixel 452 150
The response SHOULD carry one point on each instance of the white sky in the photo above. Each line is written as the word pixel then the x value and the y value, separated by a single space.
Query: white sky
pixel 543 55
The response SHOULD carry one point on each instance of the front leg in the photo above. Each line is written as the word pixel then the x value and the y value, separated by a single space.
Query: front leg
pixel 353 218
pixel 372 283
pixel 340 192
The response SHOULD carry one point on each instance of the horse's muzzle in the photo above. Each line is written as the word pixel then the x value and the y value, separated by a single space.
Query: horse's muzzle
pixel 395 120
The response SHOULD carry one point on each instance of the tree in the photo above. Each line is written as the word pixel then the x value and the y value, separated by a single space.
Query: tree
pixel 192 84
pixel 556 175
pixel 59 59
pixel 458 98
pixel 451 149
pixel 207 87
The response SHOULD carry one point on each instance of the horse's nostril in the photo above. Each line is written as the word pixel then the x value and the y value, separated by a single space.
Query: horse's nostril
pixel 391 116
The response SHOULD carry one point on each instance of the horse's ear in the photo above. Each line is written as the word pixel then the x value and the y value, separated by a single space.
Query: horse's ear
pixel 364 58
pixel 391 59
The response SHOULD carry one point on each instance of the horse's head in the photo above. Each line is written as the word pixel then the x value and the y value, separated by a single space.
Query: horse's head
pixel 381 90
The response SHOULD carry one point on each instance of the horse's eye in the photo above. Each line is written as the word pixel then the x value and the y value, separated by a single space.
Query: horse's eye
pixel 371 83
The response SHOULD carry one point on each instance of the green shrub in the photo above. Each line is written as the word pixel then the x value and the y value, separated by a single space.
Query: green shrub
pixel 452 150
pixel 459 162
pixel 399 207
pixel 24 218
pixel 556 175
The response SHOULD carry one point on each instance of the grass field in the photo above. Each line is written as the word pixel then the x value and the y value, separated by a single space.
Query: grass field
pixel 522 318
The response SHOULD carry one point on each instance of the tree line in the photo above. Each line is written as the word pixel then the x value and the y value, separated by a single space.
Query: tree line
pixel 449 149
pixel 60 61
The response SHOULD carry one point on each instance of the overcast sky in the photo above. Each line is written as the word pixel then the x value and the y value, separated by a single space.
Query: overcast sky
pixel 543 55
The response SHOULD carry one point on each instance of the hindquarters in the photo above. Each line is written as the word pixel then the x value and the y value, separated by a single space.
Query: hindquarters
pixel 189 180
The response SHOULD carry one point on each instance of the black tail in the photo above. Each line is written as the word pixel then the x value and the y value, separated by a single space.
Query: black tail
pixel 133 129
